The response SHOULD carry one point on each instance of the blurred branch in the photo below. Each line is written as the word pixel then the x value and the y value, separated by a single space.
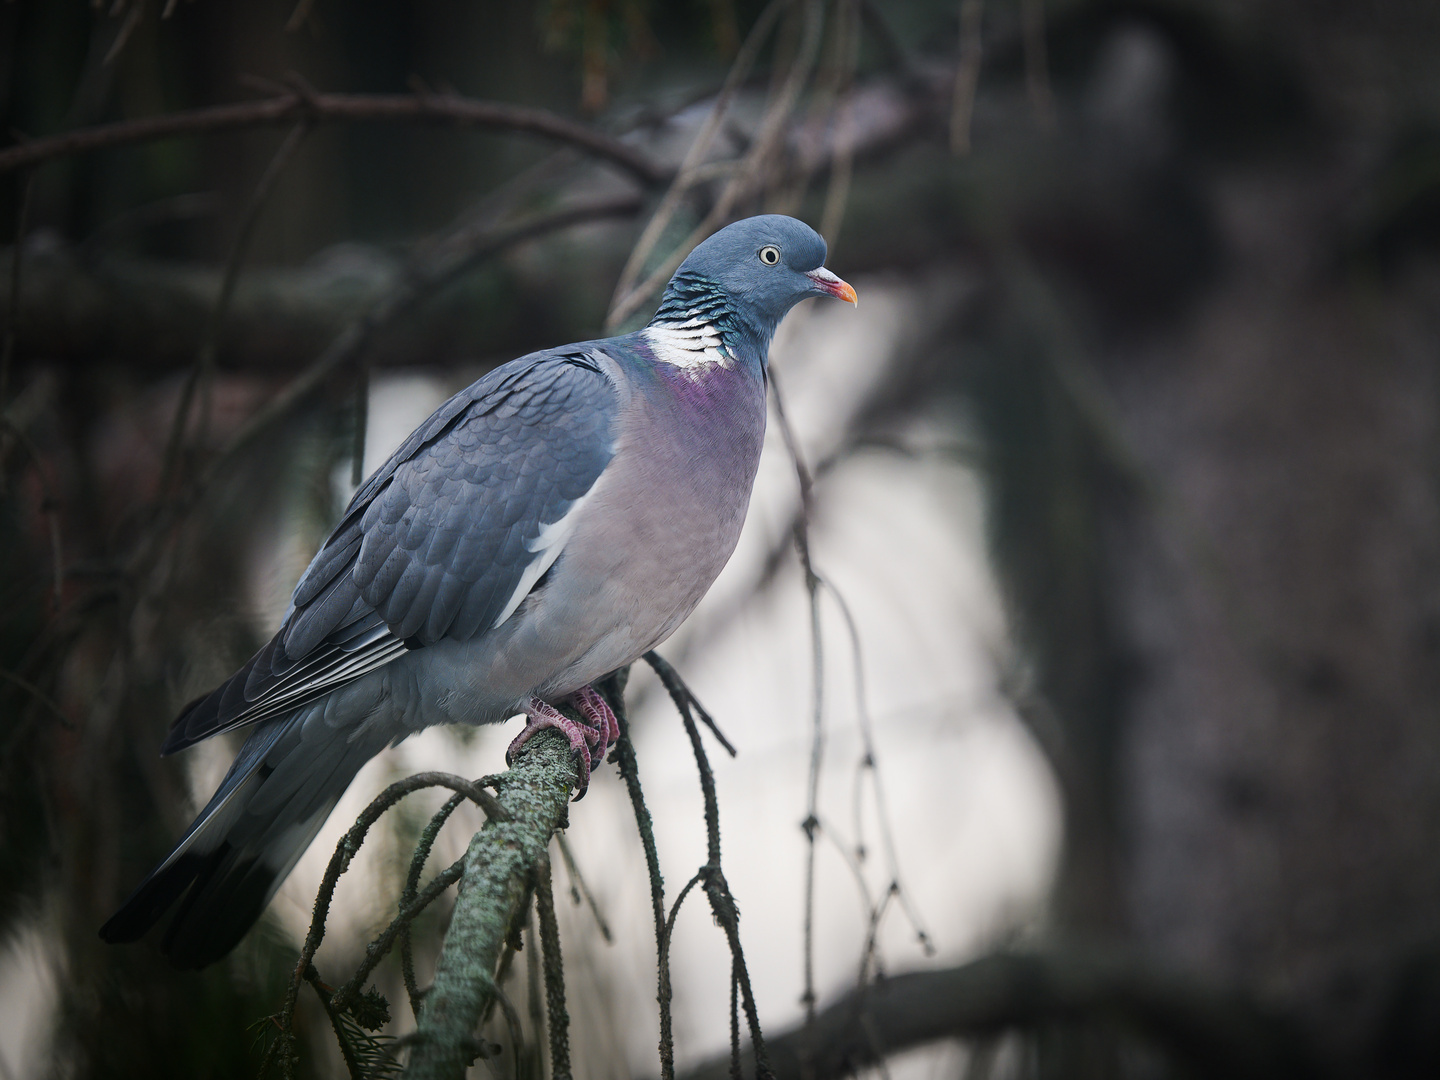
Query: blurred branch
pixel 152 315
pixel 500 868
pixel 1219 1033
pixel 449 259
pixel 305 105
pixel 967 75
pixel 201 376
pixel 12 307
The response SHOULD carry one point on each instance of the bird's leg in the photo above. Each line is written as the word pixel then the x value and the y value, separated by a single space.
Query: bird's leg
pixel 542 715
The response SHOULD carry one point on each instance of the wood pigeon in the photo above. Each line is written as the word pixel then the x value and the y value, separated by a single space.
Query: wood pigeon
pixel 550 523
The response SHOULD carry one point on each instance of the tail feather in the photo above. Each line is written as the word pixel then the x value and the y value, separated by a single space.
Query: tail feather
pixel 282 787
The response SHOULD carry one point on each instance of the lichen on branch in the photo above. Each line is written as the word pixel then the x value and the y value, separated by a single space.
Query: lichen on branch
pixel 500 869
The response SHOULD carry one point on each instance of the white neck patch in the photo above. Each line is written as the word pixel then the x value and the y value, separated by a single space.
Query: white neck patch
pixel 690 346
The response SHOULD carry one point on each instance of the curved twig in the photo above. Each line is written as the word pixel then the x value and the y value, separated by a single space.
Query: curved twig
pixel 689 172
pixel 345 852
pixel 579 890
pixel 717 889
pixel 747 177
pixel 377 949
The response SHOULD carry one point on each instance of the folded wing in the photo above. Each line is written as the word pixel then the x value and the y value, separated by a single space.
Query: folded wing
pixel 443 541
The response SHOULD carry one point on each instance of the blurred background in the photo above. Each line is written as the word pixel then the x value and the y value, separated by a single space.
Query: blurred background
pixel 1121 488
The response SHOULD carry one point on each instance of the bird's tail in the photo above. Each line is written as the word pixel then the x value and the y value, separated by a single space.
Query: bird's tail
pixel 285 781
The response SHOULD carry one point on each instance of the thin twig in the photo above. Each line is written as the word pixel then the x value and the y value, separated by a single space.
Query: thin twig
pixel 871 763
pixel 39 695
pixel 717 889
pixel 842 168
pixel 356 1070
pixel 443 108
pixel 579 889
pixel 847 856
pixel 746 180
pixel 697 879
pixel 127 28
pixel 687 175
pixel 380 947
pixel 736 1073
pixel 512 1022
pixel 817 647
pixel 534 999
pixel 679 689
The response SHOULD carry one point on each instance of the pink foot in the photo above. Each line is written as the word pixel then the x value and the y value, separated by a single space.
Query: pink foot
pixel 588 741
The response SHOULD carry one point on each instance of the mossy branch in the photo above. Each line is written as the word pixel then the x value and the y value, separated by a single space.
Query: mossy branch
pixel 500 868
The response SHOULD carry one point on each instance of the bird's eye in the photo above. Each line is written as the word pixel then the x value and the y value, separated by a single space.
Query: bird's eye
pixel 770 255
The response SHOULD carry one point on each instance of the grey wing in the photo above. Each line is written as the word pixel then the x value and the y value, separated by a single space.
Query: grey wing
pixel 444 540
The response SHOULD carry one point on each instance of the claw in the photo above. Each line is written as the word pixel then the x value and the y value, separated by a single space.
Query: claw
pixel 543 715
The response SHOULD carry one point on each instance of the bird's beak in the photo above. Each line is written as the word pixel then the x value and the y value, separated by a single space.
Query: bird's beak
pixel 831 285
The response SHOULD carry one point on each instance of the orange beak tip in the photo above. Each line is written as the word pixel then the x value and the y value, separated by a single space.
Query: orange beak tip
pixel 831 285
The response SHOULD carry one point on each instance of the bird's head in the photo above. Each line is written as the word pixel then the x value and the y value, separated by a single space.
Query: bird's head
pixel 761 266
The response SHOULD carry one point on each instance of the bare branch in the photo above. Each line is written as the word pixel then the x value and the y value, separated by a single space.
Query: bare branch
pixel 689 172
pixel 1222 1033
pixel 557 1017
pixel 427 108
